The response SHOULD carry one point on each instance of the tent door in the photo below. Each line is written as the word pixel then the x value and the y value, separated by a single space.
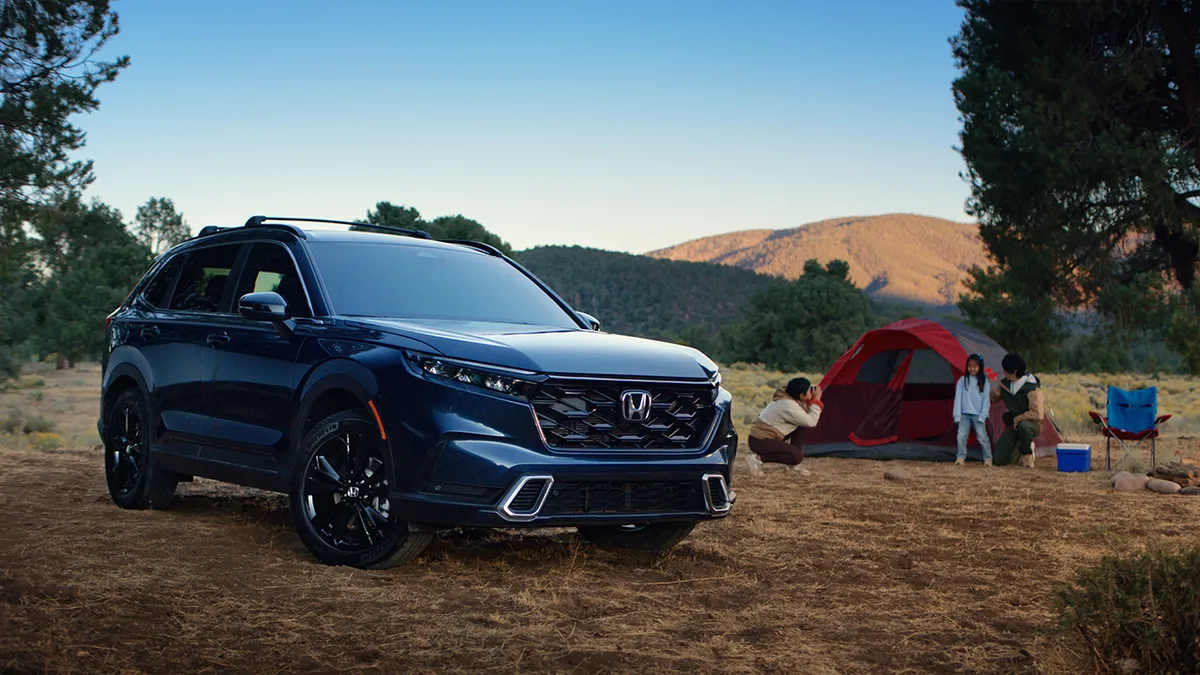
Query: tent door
pixel 879 424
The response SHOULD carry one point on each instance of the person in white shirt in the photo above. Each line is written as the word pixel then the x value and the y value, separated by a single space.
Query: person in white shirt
pixel 777 436
pixel 971 404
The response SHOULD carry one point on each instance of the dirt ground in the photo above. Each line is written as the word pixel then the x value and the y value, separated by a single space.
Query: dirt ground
pixel 839 572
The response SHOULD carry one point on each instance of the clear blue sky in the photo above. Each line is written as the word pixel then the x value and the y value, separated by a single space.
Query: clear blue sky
pixel 626 125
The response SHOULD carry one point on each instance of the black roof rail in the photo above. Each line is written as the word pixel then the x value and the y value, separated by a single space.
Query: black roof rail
pixel 210 229
pixel 486 248
pixel 260 221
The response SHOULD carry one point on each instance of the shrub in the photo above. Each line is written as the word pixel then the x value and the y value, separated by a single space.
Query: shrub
pixel 1143 607
pixel 46 441
pixel 12 422
pixel 39 424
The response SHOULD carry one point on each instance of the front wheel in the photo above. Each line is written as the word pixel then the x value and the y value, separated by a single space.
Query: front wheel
pixel 340 497
pixel 638 537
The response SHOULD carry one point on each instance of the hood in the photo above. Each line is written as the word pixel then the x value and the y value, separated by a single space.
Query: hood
pixel 551 350
pixel 1023 383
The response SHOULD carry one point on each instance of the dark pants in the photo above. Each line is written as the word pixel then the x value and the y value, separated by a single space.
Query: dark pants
pixel 788 451
pixel 1016 442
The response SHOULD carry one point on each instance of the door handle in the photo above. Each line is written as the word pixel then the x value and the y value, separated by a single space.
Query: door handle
pixel 150 333
pixel 217 339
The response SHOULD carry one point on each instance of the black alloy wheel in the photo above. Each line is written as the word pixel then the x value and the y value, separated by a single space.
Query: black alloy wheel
pixel 346 493
pixel 133 482
pixel 340 501
pixel 125 449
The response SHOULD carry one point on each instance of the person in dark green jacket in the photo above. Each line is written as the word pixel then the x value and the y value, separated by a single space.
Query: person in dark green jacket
pixel 1023 397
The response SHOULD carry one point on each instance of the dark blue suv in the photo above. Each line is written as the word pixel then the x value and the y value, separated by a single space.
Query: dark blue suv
pixel 393 385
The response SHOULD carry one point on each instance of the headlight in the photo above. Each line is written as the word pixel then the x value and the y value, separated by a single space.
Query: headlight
pixel 447 369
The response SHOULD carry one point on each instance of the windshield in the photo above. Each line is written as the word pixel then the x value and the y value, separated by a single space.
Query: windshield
pixel 420 282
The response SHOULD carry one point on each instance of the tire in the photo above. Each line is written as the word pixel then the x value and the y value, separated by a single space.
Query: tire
pixel 133 481
pixel 339 496
pixel 644 537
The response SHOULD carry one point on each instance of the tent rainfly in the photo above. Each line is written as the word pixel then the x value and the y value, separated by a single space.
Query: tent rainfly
pixel 891 395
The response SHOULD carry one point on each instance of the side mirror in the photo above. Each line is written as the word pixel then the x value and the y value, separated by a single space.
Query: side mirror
pixel 267 306
pixel 590 320
pixel 263 307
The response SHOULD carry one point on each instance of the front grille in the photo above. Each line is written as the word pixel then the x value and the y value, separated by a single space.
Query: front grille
pixel 589 416
pixel 599 497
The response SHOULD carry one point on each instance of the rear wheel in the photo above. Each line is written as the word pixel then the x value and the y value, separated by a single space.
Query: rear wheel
pixel 638 537
pixel 340 497
pixel 133 482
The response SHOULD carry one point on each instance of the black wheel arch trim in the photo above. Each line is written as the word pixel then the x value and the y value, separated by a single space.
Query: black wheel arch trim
pixel 115 373
pixel 343 374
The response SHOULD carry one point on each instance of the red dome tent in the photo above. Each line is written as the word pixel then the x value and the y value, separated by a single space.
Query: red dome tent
pixel 891 395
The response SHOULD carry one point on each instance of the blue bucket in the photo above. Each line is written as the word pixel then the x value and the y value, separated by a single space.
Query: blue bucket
pixel 1074 457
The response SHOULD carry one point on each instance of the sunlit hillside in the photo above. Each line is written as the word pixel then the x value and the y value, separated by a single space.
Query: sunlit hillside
pixel 897 256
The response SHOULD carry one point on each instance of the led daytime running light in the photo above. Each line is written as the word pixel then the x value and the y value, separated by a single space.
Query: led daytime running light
pixel 463 375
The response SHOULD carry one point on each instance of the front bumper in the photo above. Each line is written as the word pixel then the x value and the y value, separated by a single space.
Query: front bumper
pixel 533 489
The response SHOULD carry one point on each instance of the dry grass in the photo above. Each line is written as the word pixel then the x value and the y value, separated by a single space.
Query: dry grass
pixel 840 572
pixel 68 399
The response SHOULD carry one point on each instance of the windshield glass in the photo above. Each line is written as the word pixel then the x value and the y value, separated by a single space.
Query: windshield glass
pixel 419 282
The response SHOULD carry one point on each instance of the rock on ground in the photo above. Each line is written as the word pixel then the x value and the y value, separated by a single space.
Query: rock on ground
pixel 897 474
pixel 1194 490
pixel 1119 475
pixel 1164 486
pixel 1131 483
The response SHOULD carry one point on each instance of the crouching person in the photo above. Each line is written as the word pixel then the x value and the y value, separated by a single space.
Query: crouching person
pixel 777 436
pixel 1022 396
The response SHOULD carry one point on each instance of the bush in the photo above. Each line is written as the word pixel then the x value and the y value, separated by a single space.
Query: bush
pixel 1143 608
pixel 39 425
pixel 46 441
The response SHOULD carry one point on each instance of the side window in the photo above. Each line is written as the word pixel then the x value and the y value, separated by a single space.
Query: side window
pixel 203 278
pixel 270 268
pixel 157 290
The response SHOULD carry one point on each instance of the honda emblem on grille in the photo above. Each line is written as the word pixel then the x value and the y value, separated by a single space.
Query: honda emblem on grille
pixel 635 405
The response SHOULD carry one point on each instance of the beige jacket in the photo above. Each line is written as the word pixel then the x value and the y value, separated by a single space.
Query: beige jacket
pixel 783 415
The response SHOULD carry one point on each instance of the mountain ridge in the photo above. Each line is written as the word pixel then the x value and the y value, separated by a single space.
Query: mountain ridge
pixel 896 256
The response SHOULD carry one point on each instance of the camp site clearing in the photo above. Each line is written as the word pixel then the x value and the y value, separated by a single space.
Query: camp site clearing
pixel 839 572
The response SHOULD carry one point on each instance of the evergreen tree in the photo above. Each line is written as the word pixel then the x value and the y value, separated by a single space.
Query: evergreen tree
pixel 1081 135
pixel 50 72
pixel 803 325
pixel 159 226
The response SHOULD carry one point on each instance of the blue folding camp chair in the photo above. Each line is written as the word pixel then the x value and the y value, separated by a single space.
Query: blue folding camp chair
pixel 1132 418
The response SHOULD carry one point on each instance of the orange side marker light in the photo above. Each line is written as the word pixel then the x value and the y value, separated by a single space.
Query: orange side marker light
pixel 382 433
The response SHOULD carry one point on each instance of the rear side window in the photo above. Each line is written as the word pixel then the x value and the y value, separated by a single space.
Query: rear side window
pixel 202 282
pixel 158 290
pixel 270 269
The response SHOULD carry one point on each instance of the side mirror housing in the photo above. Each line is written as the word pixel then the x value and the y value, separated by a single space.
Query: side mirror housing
pixel 267 306
pixel 590 320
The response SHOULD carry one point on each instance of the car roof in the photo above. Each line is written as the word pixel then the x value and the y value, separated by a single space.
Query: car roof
pixel 364 237
pixel 323 235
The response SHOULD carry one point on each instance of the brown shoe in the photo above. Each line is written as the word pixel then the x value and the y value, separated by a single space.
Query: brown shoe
pixel 959 461
pixel 987 462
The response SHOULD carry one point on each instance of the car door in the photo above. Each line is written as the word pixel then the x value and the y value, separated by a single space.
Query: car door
pixel 251 372
pixel 173 340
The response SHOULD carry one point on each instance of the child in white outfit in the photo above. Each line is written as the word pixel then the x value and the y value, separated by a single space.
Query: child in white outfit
pixel 971 409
